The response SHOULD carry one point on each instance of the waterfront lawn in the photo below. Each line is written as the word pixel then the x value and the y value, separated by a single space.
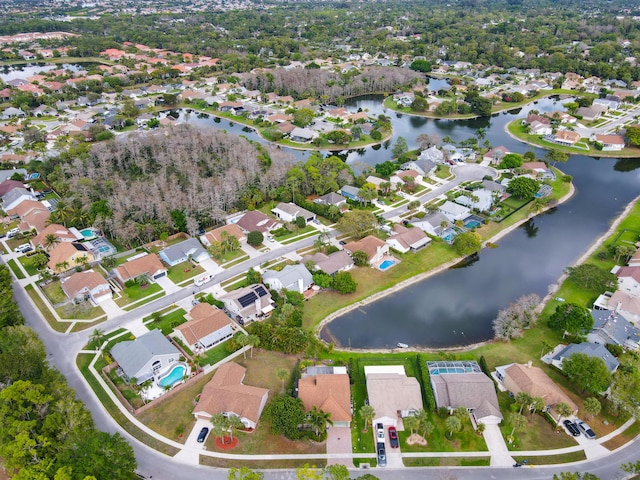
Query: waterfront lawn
pixel 371 280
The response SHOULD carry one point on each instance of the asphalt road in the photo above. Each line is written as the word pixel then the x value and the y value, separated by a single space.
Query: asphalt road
pixel 62 350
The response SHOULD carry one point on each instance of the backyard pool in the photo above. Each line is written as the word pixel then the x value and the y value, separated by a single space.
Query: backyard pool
pixel 472 224
pixel 175 375
pixel 89 233
pixel 387 264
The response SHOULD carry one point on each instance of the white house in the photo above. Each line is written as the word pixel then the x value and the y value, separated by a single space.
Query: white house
pixel 407 239
pixel 628 280
pixel 86 284
pixel 480 199
pixel 454 212
pixel 288 212
pixel 183 251
pixel 292 277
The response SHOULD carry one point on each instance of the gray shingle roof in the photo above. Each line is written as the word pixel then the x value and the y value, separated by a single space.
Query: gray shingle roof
pixel 190 246
pixel 133 355
pixel 592 350
pixel 289 276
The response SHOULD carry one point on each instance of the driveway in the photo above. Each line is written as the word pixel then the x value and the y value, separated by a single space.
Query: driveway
pixel 167 285
pixel 339 442
pixel 111 308
pixel 500 456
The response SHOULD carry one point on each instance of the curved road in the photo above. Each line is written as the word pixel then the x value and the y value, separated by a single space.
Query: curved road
pixel 62 350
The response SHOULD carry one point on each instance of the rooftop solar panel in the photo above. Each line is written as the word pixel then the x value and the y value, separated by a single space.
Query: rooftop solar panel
pixel 247 299
pixel 260 291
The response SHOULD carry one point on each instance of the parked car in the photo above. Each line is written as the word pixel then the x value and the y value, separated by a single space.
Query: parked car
pixel 13 232
pixel 25 247
pixel 382 455
pixel 380 432
pixel 342 242
pixel 586 429
pixel 203 434
pixel 571 428
pixel 393 437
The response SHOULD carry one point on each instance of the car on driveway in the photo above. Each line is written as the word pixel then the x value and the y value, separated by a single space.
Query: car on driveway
pixel 382 455
pixel 342 242
pixel 380 432
pixel 24 248
pixel 393 437
pixel 586 429
pixel 571 428
pixel 203 434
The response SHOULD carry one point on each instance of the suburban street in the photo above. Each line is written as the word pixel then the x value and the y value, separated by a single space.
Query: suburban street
pixel 62 350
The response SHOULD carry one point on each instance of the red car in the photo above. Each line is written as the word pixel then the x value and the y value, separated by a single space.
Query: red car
pixel 393 437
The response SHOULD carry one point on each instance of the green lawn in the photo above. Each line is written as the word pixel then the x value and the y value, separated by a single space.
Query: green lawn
pixel 83 311
pixel 294 232
pixel 443 172
pixel 15 269
pixel 144 301
pixel 237 261
pixel 310 233
pixel 184 271
pixel 229 256
pixel 215 354
pixel 168 321
pixel 27 264
pixel 136 292
pixel 54 292
pixel 44 310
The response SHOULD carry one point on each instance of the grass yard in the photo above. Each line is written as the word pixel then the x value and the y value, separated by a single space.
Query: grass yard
pixel 447 462
pixel 15 269
pixel 144 301
pixel 237 261
pixel 168 321
pixel 625 437
pixel 294 232
pixel 229 256
pixel 44 310
pixel 83 311
pixel 440 441
pixel 552 459
pixel 308 234
pixel 54 292
pixel 443 172
pixel 136 292
pixel 215 354
pixel 27 264
pixel 184 271
pixel 371 281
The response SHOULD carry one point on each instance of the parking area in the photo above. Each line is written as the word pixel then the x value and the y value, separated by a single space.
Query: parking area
pixel 339 442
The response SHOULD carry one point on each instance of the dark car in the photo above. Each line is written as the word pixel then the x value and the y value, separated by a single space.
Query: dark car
pixel 586 429
pixel 382 455
pixel 571 428
pixel 393 437
pixel 203 434
pixel 342 242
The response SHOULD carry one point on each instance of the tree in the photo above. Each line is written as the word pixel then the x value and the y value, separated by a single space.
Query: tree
pixel 367 193
pixel 591 277
pixel 255 238
pixel 523 187
pixel 467 243
pixel 563 410
pixel 625 391
pixel 319 420
pixel 587 373
pixel 411 423
pixel 233 423
pixel 282 374
pixel 624 252
pixel 39 260
pixel 97 337
pixel 286 416
pixel 522 399
pixel 344 283
pixel 511 160
pixel 554 156
pixel 537 405
pixel 303 117
pixel 50 240
pixel 575 476
pixel 244 473
pixel 517 422
pixel 571 319
pixel 511 321
pixel 253 277
pixel 357 223
pixel 452 425
pixel 426 140
pixel 421 66
pixel 218 425
pixel 367 413
pixel 337 472
pixel 400 147
pixel 419 104
pixel 592 406
pixel 360 258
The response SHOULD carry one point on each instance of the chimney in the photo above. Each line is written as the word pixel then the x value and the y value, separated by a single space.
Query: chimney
pixel 529 364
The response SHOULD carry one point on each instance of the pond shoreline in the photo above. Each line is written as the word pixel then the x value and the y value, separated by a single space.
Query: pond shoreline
pixel 419 277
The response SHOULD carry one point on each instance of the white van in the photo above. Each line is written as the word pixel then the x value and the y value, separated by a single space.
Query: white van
pixel 13 232
pixel 25 247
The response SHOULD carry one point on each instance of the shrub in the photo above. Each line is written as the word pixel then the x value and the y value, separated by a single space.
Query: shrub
pixel 255 238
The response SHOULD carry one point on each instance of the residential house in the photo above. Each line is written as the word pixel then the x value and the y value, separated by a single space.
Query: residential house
pixel 12 112
pixel 433 154
pixel 634 261
pixel 225 393
pixel 392 394
pixel 495 155
pixel 375 248
pixel 494 187
pixel 589 349
pixel 295 278
pixel 331 198
pixel 206 327
pixel 424 166
pixel 610 142
pixel 436 224
pixel 611 327
pixel 537 128
pixel 189 249
pixel 331 264
pixel 14 197
pixel 220 233
pixel 288 212
pixel 628 280
pixel 454 211
pixel 7 185
pixel 627 306
pixel 60 232
pixel 35 219
pixel 148 265
pixel 517 377
pixel 463 384
pixel 255 221
pixel 479 199
pixel 86 284
pixel 407 239
pixel 329 392
pixel 351 193
pixel 7 174
pixel 609 104
pixel 68 255
pixel 590 113
pixel 566 137
pixel 301 135
pixel 248 303
pixel 148 356
pixel 414 174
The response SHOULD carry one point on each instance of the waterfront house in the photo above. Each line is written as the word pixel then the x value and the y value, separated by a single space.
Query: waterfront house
pixel 294 278
pixel 329 392
pixel 392 394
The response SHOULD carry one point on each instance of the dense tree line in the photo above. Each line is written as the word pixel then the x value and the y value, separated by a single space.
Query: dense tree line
pixel 138 188
pixel 46 432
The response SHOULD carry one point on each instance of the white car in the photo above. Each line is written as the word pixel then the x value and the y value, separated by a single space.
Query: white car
pixel 24 248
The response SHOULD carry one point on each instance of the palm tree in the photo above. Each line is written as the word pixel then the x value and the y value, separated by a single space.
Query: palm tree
pixel 453 425
pixel 412 422
pixel 522 399
pixel 537 405
pixel 367 413
pixel 62 212
pixel 462 413
pixel 97 336
pixel 62 266
pixel 50 240
pixel 517 422
pixel 218 425
pixel 426 427
pixel 563 410
pixel 282 374
pixel 243 341
pixel 319 420
pixel 592 406
pixel 254 341
pixel 234 422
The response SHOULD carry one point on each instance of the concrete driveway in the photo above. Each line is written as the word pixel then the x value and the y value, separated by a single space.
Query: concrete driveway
pixel 500 456
pixel 338 443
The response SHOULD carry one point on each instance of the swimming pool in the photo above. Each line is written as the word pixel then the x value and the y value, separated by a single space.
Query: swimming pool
pixel 175 375
pixel 449 238
pixel 88 233
pixel 472 224
pixel 386 264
